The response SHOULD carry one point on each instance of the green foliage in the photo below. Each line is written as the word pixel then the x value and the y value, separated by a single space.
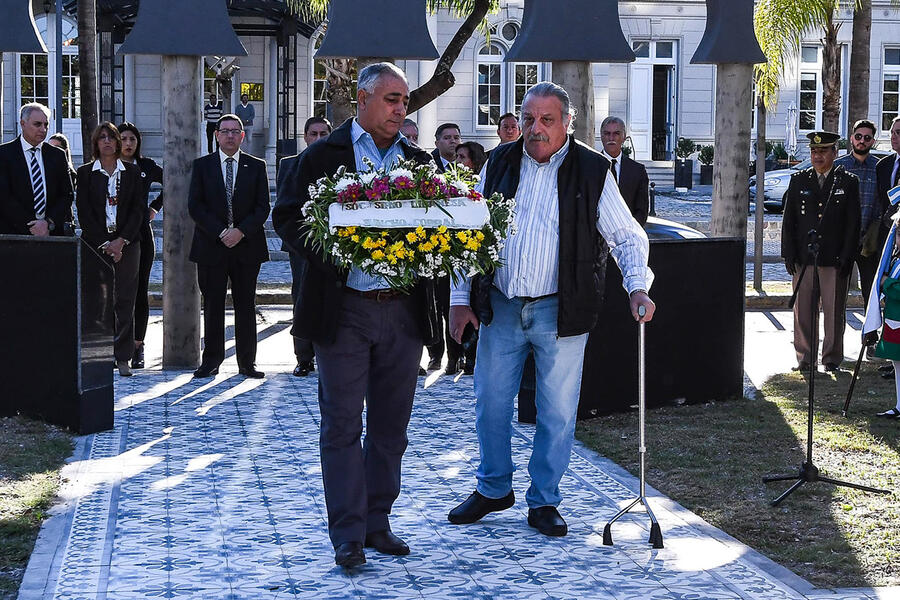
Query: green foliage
pixel 685 147
pixel 707 153
pixel 779 151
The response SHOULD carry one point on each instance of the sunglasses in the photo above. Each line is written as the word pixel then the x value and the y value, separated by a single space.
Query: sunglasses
pixel 859 137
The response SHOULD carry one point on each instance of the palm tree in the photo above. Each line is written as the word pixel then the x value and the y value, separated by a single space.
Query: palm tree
pixel 340 72
pixel 87 61
pixel 858 100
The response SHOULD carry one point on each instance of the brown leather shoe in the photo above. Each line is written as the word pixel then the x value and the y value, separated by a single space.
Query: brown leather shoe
pixel 386 542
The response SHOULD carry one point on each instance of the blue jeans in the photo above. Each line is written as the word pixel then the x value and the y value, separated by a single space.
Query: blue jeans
pixel 518 327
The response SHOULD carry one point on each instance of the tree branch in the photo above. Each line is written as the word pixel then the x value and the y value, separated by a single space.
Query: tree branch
pixel 443 78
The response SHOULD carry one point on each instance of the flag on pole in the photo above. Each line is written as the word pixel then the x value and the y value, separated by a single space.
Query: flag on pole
pixel 894 195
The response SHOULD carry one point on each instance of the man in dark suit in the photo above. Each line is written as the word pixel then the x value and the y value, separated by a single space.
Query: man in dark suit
pixel 824 198
pixel 634 184
pixel 229 202
pixel 345 313
pixel 887 173
pixel 446 139
pixel 35 187
pixel 315 129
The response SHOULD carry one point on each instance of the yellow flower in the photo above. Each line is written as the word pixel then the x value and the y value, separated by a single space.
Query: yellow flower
pixel 420 232
pixel 427 247
pixel 396 246
pixel 444 248
pixel 392 259
pixel 377 255
pixel 472 244
pixel 462 236
pixel 368 243
pixel 400 253
pixel 479 236
pixel 442 229
pixel 384 234
pixel 411 237
pixel 354 238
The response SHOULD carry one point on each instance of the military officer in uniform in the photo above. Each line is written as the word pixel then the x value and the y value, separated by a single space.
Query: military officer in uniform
pixel 824 199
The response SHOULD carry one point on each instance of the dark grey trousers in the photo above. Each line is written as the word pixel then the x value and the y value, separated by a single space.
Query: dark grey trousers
pixel 374 359
pixel 303 349
pixel 126 285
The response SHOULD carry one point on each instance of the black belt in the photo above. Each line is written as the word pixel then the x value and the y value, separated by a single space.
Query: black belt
pixel 527 299
pixel 377 295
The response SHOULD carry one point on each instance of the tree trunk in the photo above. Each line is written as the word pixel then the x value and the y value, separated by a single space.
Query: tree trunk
pixel 443 79
pixel 858 101
pixel 340 88
pixel 831 76
pixel 87 64
pixel 730 194
pixel 575 78
pixel 182 86
pixel 760 194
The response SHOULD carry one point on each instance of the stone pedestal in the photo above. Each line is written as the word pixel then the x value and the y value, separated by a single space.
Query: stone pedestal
pixel 181 84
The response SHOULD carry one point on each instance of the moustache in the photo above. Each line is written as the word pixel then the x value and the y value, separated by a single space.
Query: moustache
pixel 538 137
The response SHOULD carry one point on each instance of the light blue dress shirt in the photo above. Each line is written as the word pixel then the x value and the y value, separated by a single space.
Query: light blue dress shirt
pixel 364 147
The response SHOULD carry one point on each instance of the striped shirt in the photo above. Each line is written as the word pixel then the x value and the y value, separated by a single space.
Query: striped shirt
pixel 364 147
pixel 531 257
pixel 212 113
pixel 868 203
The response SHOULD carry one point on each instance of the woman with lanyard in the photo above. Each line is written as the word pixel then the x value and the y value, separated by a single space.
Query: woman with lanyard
pixel 150 172
pixel 888 280
pixel 111 212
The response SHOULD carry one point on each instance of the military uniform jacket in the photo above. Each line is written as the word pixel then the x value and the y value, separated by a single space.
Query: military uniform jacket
pixel 833 212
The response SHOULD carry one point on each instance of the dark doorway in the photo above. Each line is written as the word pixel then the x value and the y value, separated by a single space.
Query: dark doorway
pixel 661 139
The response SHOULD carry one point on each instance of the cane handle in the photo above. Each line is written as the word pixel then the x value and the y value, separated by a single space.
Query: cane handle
pixel 642 311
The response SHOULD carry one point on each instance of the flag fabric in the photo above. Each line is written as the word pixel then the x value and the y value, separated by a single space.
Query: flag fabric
pixel 894 195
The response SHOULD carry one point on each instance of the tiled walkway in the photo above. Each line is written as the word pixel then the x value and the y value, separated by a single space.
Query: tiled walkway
pixel 212 490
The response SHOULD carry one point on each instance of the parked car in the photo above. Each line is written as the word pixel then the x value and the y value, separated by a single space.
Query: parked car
pixel 776 184
pixel 664 229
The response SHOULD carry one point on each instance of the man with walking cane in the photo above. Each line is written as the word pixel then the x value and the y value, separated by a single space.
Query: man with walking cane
pixel 546 297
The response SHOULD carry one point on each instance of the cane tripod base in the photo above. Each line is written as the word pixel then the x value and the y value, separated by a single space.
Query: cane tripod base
pixel 656 538
pixel 809 473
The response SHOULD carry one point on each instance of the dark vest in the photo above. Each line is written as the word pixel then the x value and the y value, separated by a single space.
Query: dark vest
pixel 582 250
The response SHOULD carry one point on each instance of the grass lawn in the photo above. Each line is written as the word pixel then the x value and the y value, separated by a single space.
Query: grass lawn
pixel 31 455
pixel 711 459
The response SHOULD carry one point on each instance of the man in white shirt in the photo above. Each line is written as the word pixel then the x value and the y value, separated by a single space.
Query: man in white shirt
pixel 545 298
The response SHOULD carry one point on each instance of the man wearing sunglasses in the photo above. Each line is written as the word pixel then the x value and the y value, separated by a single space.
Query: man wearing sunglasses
pixel 872 234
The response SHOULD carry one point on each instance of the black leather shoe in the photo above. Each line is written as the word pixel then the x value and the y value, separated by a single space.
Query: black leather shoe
pixel 803 367
pixel 206 371
pixel 469 368
pixel 387 543
pixel 304 368
pixel 434 364
pixel 477 506
pixel 452 367
pixel 832 368
pixel 137 361
pixel 251 372
pixel 349 555
pixel 422 372
pixel 548 521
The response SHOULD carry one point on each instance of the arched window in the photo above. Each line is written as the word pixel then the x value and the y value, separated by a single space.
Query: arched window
pixel 500 87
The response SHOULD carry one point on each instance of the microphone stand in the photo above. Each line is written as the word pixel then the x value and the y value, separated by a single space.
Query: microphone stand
pixel 808 472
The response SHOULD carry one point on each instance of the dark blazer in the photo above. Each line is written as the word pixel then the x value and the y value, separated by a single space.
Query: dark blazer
pixel 833 212
pixel 250 206
pixel 91 202
pixel 17 195
pixel 436 157
pixel 635 187
pixel 883 171
pixel 284 181
pixel 150 173
pixel 321 294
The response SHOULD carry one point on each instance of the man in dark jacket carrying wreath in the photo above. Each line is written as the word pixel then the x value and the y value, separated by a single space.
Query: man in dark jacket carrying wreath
pixel 367 337
pixel 545 298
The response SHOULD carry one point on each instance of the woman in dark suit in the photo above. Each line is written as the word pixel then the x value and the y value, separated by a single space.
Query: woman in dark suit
pixel 111 211
pixel 150 172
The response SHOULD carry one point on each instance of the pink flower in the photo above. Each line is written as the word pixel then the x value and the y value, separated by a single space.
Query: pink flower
pixel 429 188
pixel 351 194
pixel 404 183
pixel 475 195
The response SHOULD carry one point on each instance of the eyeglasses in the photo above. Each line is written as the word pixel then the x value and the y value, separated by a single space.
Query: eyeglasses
pixel 858 137
pixel 231 131
pixel 105 138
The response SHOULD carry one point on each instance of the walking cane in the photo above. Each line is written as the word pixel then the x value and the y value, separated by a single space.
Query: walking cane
pixel 853 380
pixel 656 538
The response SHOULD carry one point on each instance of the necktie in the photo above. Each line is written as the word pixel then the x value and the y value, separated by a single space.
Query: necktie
pixel 612 169
pixel 229 188
pixel 821 181
pixel 896 177
pixel 37 185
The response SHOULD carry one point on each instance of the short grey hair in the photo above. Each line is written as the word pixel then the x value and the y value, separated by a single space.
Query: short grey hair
pixel 548 89
pixel 369 76
pixel 612 119
pixel 27 109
